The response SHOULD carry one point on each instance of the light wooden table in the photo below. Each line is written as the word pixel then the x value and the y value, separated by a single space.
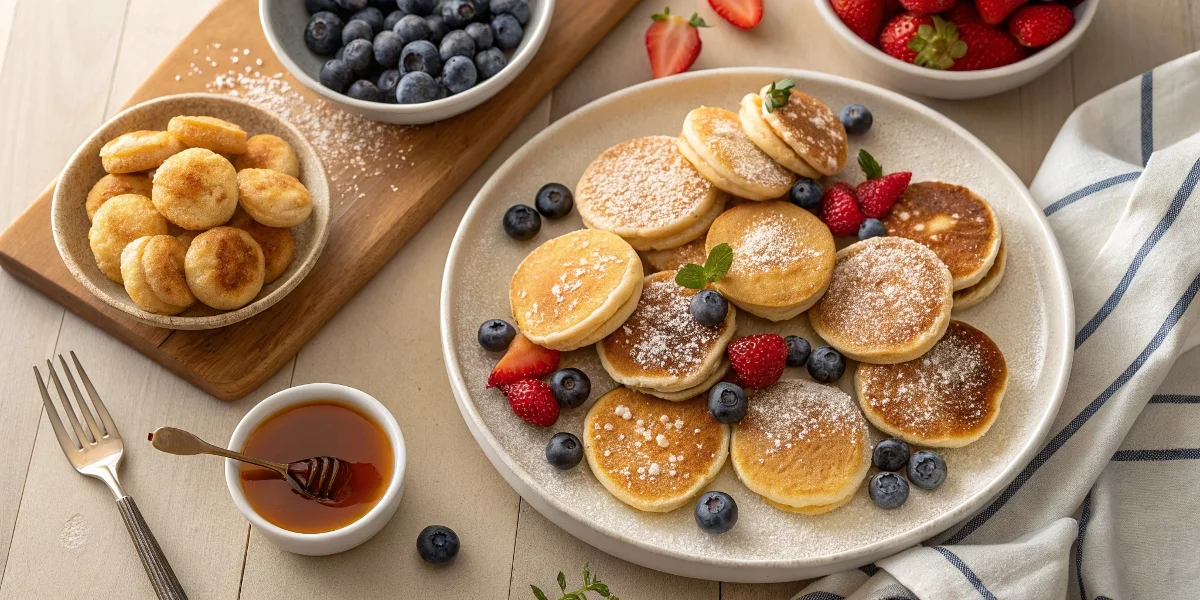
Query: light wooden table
pixel 68 64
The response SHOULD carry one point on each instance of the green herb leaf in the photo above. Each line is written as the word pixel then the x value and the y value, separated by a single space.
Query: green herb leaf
pixel 600 588
pixel 778 94
pixel 718 263
pixel 692 277
pixel 870 166
pixel 562 581
pixel 696 21
pixel 539 594
pixel 587 576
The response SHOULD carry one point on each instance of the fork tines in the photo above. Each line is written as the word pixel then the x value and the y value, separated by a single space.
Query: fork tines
pixel 96 431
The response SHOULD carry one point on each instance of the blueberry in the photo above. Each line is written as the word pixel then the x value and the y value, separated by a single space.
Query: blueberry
pixel 457 43
pixel 856 119
pixel 926 469
pixel 489 62
pixel 571 387
pixel 483 12
pixel 387 82
pixel 356 30
pixel 393 17
pixel 387 48
pixel 507 31
pixel 888 490
pixel 416 7
pixel 383 4
pixel 807 193
pixel 826 364
pixel 358 54
pixel 716 512
pixel 418 87
pixel 564 451
pixel 411 28
pixel 727 402
pixel 890 455
pixel 458 74
pixel 437 544
pixel 457 13
pixel 352 5
pixel 421 56
pixel 316 6
pixel 365 90
pixel 521 222
pixel 371 16
pixel 798 350
pixel 871 228
pixel 323 34
pixel 516 8
pixel 481 34
pixel 554 200
pixel 437 28
pixel 709 308
pixel 336 75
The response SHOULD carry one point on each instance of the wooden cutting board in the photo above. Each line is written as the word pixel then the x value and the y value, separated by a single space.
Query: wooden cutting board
pixel 381 195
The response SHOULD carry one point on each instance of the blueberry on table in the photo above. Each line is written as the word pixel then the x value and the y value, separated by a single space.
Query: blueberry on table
pixel 437 28
pixel 716 512
pixel 416 7
pixel 709 308
pixel 336 75
pixel 856 119
pixel 727 402
pixel 365 90
pixel 521 222
pixel 411 28
pixel 418 87
pixel 457 43
pixel 358 54
pixel 564 451
pixel 888 490
pixel 387 82
pixel 371 16
pixel 437 544
pixel 316 6
pixel 323 34
pixel 890 455
pixel 387 48
pixel 421 56
pixel 392 18
pixel 516 8
pixel 496 334
pixel 489 62
pixel 507 31
pixel 458 13
pixel 481 33
pixel 571 387
pixel 798 350
pixel 458 74
pixel 871 228
pixel 926 469
pixel 807 193
pixel 352 5
pixel 554 201
pixel 826 364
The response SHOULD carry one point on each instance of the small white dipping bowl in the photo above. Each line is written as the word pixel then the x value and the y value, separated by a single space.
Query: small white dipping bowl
pixel 957 85
pixel 338 540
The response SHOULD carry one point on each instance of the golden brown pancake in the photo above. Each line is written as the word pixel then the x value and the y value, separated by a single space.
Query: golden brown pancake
pixel 119 221
pixel 209 132
pixel 751 114
pixel 652 454
pixel 266 151
pixel 224 267
pixel 277 243
pixel 811 129
pixel 968 297
pixel 670 260
pixel 953 222
pixel 162 262
pixel 196 189
pixel 134 279
pixel 691 233
pixel 948 398
pixel 819 509
pixel 889 301
pixel 272 198
pixel 139 151
pixel 115 184
pixel 716 377
pixel 715 143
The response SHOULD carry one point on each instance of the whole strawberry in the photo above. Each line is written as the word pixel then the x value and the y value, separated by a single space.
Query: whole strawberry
pixel 988 47
pixel 928 7
pixel 759 359
pixel 839 210
pixel 879 192
pixel 1040 25
pixel 994 11
pixel 936 44
pixel 533 401
pixel 863 17
pixel 897 33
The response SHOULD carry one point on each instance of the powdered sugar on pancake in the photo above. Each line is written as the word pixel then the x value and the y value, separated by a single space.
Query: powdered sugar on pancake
pixel 772 241
pixel 723 136
pixel 811 129
pixel 661 335
pixel 793 412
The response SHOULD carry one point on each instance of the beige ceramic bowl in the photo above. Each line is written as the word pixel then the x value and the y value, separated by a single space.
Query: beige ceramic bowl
pixel 70 223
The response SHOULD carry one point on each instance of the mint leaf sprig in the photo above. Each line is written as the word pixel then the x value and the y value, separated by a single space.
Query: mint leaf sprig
pixel 591 583
pixel 696 277
pixel 778 94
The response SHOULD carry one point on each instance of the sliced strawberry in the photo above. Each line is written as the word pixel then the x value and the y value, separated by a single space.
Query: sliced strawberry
pixel 533 401
pixel 673 42
pixel 745 14
pixel 896 35
pixel 879 192
pixel 523 360
pixel 839 210
pixel 1040 25
pixel 928 7
pixel 995 11
pixel 863 17
pixel 987 47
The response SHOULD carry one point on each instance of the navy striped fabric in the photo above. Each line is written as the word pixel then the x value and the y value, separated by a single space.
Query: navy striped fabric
pixel 1086 191
pixel 1165 454
pixel 1147 116
pixel 1084 516
pixel 821 596
pixel 967 572
pixel 1174 399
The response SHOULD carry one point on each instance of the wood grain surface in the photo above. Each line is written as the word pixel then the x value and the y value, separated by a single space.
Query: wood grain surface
pixel 60 535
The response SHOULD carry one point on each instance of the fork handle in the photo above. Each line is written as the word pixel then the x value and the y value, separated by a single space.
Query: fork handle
pixel 166 585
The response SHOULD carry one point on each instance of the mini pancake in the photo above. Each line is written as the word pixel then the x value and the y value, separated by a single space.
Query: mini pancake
pixel 783 258
pixel 956 224
pixel 277 243
pixel 661 346
pixel 568 290
pixel 209 132
pixel 272 198
pixel 139 151
pixel 751 114
pixel 715 143
pixel 196 189
pixel 162 263
pixel 644 190
pixel 811 129
pixel 692 392
pixel 692 233
pixel 652 454
pixel 948 398
pixel 801 444
pixel 889 301
pixel 820 509
pixel 115 184
pixel 224 267
pixel 136 284
pixel 266 151
pixel 119 221
pixel 671 259
pixel 968 297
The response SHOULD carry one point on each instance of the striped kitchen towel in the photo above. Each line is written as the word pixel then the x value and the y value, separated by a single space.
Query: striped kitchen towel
pixel 1109 506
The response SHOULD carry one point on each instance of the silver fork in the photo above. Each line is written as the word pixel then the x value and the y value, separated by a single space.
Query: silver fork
pixel 97 452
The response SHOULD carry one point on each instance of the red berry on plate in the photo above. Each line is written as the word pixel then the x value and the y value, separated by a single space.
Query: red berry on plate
pixel 879 192
pixel 994 11
pixel 523 360
pixel 928 7
pixel 673 42
pixel 532 400
pixel 896 35
pixel 759 359
pixel 1040 25
pixel 742 13
pixel 987 47
pixel 863 17
pixel 839 210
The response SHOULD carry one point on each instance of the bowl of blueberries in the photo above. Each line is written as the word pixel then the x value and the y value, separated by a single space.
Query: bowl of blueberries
pixel 406 61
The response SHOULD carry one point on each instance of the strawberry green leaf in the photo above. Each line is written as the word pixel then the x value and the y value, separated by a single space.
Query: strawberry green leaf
pixel 778 94
pixel 870 166
pixel 539 594
pixel 662 16
pixel 937 45
pixel 692 277
pixel 697 21
pixel 718 263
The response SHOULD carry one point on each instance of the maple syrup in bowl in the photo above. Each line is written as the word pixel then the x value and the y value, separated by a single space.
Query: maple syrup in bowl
pixel 319 419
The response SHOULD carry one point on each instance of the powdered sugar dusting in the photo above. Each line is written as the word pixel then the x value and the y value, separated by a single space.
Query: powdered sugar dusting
pixel 772 241
pixel 795 411
pixel 643 183
pixel 661 335
pixel 809 127
pixel 727 140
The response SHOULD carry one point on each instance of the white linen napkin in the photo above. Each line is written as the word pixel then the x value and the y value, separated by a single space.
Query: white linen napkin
pixel 1123 456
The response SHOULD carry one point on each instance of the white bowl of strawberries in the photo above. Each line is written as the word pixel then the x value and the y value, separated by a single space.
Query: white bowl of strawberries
pixel 958 49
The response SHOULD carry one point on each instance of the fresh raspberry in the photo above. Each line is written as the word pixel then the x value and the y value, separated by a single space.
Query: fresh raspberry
pixel 533 401
pixel 839 210
pixel 759 359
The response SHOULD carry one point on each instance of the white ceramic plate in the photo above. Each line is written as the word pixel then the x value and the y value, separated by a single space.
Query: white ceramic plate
pixel 1029 316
